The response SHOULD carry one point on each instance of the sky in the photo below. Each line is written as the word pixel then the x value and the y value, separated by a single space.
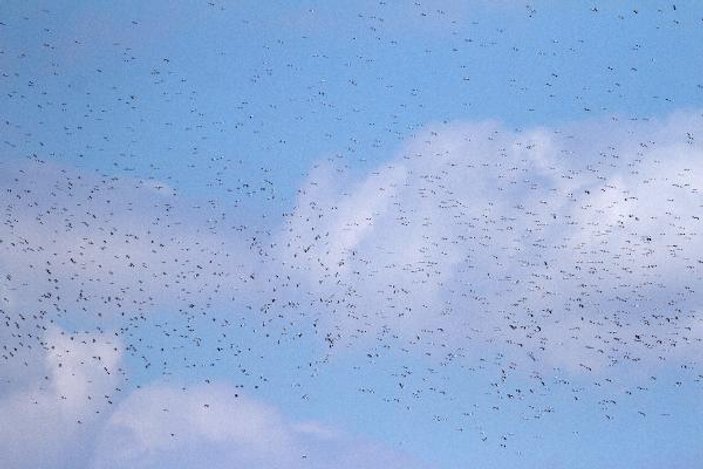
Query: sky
pixel 380 234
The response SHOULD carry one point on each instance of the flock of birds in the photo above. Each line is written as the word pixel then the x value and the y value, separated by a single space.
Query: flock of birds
pixel 530 261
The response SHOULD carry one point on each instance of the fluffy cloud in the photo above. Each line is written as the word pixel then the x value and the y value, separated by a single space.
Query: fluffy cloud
pixel 61 395
pixel 579 245
pixel 75 409
pixel 198 427
pixel 216 426
pixel 85 252
pixel 577 248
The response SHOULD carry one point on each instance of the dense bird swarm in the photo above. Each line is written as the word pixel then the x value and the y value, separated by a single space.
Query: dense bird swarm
pixel 166 241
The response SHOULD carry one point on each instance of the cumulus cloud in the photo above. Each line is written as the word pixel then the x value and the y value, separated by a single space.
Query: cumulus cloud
pixel 87 261
pixel 576 247
pixel 77 414
pixel 216 426
pixel 67 392
pixel 579 245
pixel 197 427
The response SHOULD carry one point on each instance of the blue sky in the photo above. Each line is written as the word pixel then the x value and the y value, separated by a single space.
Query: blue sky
pixel 351 234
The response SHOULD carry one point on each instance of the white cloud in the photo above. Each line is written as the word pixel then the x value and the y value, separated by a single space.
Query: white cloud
pixel 577 248
pixel 77 410
pixel 49 416
pixel 76 241
pixel 198 427
pixel 569 244
pixel 216 426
